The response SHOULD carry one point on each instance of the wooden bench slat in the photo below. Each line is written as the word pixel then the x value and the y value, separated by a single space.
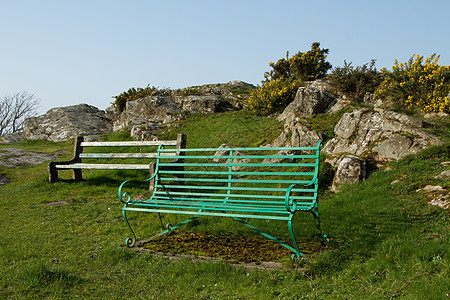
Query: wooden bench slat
pixel 104 166
pixel 128 143
pixel 117 155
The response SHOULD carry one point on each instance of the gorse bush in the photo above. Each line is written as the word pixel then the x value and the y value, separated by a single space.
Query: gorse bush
pixel 272 96
pixel 133 94
pixel 417 84
pixel 355 82
pixel 302 66
pixel 287 74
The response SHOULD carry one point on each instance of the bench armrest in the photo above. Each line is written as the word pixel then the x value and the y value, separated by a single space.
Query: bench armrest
pixel 291 204
pixel 125 197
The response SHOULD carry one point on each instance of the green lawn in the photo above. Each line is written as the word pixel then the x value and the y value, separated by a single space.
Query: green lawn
pixel 386 241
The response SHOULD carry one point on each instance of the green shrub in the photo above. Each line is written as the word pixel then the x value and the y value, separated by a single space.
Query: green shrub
pixel 354 83
pixel 287 75
pixel 417 85
pixel 272 96
pixel 302 66
pixel 133 94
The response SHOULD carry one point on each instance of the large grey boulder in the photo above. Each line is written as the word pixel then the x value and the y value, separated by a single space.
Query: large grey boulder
pixel 379 134
pixel 307 102
pixel 350 170
pixel 64 123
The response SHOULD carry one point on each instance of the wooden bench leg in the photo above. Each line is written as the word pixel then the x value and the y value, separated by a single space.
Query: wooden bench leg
pixel 52 173
pixel 76 175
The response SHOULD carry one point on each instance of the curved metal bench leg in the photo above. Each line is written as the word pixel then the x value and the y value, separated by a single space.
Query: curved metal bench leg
pixel 129 241
pixel 297 253
pixel 323 238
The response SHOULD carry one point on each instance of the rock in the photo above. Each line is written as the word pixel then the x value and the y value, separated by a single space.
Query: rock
pixel 350 170
pixel 4 180
pixel 297 135
pixel 308 101
pixel 432 188
pixel 285 159
pixel 145 132
pixel 13 137
pixel 443 175
pixel 64 123
pixel 152 109
pixel 12 157
pixel 379 134
pixel 319 84
pixel 203 103
pixel 222 153
pixel 441 201
pixel 235 161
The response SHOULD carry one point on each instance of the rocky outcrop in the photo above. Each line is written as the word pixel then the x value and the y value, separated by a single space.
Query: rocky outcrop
pixel 379 134
pixel 307 102
pixel 167 106
pixel 64 123
pixel 12 157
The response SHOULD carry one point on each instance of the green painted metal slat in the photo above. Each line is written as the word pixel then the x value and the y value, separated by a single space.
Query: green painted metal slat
pixel 223 196
pixel 235 180
pixel 237 164
pixel 214 206
pixel 280 204
pixel 206 213
pixel 233 188
pixel 237 173
pixel 240 156
pixel 244 149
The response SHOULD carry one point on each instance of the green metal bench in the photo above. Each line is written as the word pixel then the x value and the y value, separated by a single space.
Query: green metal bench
pixel 240 183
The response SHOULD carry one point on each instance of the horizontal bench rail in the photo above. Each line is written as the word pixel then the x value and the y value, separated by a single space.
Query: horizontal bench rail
pixel 129 143
pixel 105 166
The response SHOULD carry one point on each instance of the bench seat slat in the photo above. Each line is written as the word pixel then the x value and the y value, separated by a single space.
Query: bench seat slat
pixel 237 197
pixel 128 143
pixel 237 173
pixel 237 180
pixel 104 166
pixel 235 202
pixel 117 155
pixel 233 188
pixel 206 213
pixel 187 165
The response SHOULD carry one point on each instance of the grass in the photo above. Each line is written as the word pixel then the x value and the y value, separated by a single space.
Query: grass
pixel 386 241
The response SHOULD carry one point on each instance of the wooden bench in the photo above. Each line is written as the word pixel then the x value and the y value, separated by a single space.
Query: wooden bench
pixel 240 183
pixel 87 160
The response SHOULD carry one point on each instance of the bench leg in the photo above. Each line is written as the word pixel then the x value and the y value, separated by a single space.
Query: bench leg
pixel 323 238
pixel 76 175
pixel 52 173
pixel 296 251
pixel 129 241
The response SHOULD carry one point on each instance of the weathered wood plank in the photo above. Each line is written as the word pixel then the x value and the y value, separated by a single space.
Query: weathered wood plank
pixel 104 166
pixel 128 143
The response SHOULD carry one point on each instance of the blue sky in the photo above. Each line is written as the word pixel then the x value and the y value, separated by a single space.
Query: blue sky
pixel 71 52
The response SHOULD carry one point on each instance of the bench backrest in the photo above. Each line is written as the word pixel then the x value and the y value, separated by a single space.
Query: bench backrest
pixel 138 149
pixel 254 176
